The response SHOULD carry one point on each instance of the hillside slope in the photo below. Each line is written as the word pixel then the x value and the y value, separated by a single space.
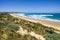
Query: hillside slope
pixel 12 28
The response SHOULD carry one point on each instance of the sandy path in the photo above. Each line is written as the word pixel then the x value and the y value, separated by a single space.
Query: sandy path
pixel 43 22
pixel 39 37
pixel 22 32
pixel 25 32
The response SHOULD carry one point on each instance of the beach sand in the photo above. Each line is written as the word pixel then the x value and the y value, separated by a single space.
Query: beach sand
pixel 47 23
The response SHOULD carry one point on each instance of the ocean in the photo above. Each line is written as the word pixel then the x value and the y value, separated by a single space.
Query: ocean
pixel 42 16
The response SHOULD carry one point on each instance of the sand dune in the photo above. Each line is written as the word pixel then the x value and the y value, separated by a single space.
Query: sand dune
pixel 55 25
pixel 33 34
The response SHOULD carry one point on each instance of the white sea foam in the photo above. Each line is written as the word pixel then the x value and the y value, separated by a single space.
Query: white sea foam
pixel 43 17
pixel 20 14
pixel 39 17
pixel 55 20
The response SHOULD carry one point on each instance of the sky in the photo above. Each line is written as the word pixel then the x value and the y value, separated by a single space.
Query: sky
pixel 31 6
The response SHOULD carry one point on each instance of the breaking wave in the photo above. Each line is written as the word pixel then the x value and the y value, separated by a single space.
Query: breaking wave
pixel 39 17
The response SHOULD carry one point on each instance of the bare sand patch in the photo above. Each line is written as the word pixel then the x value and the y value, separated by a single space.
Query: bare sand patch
pixel 25 32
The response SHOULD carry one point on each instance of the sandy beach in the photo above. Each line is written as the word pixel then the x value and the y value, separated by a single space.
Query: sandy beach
pixel 55 25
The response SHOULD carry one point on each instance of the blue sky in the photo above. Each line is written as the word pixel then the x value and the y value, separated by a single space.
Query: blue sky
pixel 38 6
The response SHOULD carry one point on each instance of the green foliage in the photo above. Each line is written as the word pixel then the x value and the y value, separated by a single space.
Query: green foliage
pixel 12 25
pixel 7 34
pixel 53 36
pixel 9 26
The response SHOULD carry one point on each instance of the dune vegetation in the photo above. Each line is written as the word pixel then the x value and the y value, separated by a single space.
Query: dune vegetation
pixel 9 26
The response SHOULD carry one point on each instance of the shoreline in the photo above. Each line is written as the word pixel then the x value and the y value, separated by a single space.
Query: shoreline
pixel 47 23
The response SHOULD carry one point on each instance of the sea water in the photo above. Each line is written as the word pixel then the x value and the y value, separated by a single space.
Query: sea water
pixel 45 16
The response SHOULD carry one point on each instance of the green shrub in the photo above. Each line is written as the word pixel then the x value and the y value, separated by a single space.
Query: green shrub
pixel 51 35
pixel 12 25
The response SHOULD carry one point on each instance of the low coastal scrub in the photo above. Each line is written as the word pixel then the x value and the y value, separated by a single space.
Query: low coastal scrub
pixel 12 25
pixel 9 25
pixel 7 33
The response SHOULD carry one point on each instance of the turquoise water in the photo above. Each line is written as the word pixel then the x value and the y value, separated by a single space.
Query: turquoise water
pixel 45 16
